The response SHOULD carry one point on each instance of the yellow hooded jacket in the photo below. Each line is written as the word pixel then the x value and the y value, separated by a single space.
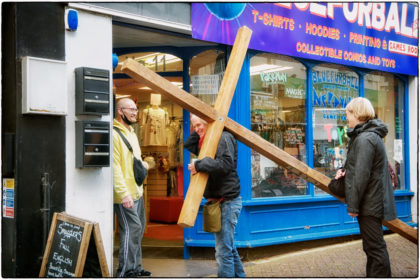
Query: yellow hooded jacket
pixel 124 182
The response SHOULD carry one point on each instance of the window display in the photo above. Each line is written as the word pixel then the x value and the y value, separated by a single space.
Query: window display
pixel 154 121
pixel 160 133
pixel 278 93
pixel 386 93
pixel 333 87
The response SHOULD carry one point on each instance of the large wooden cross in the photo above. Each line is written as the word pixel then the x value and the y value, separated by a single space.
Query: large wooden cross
pixel 218 120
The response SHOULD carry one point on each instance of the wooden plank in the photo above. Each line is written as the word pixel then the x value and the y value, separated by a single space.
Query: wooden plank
pixel 83 248
pixel 48 246
pixel 157 193
pixel 402 229
pixel 100 249
pixel 214 131
pixel 158 187
pixel 144 75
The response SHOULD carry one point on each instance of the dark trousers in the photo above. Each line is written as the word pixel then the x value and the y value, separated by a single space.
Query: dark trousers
pixel 131 224
pixel 374 245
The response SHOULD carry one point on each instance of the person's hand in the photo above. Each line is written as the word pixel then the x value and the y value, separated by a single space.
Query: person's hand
pixel 353 215
pixel 191 167
pixel 340 173
pixel 128 202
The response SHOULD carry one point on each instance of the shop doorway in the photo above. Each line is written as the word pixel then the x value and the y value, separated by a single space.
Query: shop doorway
pixel 159 130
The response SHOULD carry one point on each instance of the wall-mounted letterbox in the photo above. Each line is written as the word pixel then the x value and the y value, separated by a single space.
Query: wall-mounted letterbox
pixel 92 144
pixel 92 91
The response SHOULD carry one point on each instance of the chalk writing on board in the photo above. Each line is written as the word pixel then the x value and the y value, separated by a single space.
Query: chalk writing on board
pixel 64 250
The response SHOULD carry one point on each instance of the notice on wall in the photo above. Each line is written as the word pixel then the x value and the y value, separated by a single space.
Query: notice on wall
pixel 398 150
pixel 205 84
pixel 294 135
pixel 8 198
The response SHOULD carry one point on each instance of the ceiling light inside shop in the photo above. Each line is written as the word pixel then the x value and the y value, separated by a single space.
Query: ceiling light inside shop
pixel 178 84
pixel 118 96
pixel 151 59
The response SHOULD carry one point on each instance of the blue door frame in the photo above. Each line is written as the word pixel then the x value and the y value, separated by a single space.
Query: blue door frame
pixel 276 220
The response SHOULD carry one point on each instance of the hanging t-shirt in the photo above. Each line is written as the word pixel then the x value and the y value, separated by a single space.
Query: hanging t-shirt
pixel 154 122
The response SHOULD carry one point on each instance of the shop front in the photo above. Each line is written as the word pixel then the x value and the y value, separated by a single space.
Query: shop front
pixel 305 62
pixel 292 92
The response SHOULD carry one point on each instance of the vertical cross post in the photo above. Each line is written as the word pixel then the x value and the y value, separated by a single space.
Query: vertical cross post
pixel 214 131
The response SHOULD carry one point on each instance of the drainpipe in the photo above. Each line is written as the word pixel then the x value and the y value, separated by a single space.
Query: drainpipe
pixel 45 207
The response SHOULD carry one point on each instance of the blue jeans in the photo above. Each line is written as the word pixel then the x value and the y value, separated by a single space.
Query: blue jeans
pixel 227 256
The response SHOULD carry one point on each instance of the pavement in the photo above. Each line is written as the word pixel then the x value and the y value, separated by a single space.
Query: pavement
pixel 337 258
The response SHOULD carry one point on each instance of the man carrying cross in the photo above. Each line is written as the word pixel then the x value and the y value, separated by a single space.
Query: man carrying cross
pixel 218 121
pixel 223 184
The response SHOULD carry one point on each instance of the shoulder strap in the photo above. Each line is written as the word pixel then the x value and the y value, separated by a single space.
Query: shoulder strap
pixel 124 139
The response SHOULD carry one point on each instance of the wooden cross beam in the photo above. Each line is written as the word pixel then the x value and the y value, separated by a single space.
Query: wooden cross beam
pixel 187 217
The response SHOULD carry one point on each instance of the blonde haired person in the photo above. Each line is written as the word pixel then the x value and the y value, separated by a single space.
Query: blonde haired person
pixel 368 186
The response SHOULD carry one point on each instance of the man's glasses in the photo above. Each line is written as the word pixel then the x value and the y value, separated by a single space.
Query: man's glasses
pixel 132 110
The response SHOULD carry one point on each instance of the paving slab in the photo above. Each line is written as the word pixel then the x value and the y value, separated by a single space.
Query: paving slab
pixel 340 260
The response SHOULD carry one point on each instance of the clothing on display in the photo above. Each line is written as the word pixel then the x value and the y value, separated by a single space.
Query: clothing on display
pixel 154 122
pixel 174 136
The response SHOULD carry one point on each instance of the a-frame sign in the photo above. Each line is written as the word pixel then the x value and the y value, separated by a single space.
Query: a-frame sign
pixel 218 120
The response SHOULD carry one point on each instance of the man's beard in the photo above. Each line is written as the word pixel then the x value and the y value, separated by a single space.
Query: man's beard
pixel 125 119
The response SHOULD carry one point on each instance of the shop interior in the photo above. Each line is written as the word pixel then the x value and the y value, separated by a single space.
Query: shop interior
pixel 159 131
pixel 160 124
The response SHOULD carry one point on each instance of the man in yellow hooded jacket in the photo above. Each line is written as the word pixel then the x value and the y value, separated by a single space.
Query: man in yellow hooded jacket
pixel 128 196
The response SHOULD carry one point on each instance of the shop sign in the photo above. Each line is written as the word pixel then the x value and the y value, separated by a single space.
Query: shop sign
pixel 8 198
pixel 205 84
pixel 328 129
pixel 270 78
pixel 374 35
pixel 298 93
pixel 330 100
pixel 327 83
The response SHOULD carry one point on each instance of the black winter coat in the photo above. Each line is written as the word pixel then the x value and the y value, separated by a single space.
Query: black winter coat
pixel 369 190
pixel 223 179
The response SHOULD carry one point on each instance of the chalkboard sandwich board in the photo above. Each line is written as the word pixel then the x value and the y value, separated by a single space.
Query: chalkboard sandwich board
pixel 67 248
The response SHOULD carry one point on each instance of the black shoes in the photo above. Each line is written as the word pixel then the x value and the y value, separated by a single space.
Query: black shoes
pixel 144 273
pixel 136 274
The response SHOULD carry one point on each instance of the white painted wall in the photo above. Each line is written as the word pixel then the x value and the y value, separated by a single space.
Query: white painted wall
pixel 89 191
pixel 414 142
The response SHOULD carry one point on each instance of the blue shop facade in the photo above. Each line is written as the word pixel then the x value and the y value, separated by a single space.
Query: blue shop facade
pixel 305 62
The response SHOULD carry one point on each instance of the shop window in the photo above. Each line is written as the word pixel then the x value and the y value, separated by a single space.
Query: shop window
pixel 206 73
pixel 278 93
pixel 333 86
pixel 386 93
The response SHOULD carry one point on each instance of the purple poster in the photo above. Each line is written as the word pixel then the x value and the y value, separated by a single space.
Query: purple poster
pixel 380 36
